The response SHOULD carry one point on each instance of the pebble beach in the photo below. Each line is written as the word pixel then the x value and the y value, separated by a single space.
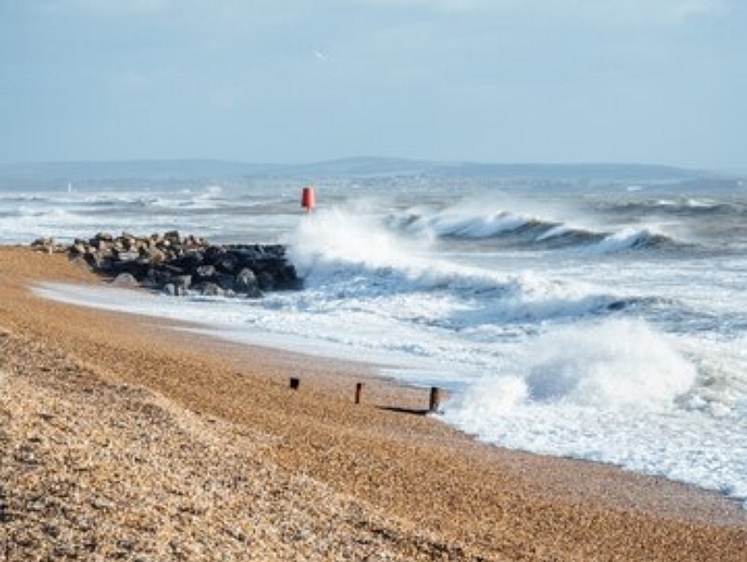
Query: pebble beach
pixel 125 437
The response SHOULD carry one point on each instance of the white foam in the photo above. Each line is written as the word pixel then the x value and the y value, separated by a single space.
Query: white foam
pixel 612 364
pixel 615 392
pixel 370 261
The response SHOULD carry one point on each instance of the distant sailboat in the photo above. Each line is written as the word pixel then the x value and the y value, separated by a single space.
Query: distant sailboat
pixel 69 187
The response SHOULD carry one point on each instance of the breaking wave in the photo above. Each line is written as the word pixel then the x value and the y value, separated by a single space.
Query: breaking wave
pixel 352 258
pixel 512 229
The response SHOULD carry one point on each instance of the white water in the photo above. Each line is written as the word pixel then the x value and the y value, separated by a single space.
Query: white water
pixel 561 326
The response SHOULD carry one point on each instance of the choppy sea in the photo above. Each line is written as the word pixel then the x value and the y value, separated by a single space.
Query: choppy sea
pixel 601 319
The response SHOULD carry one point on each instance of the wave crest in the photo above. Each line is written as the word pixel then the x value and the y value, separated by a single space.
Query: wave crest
pixel 468 223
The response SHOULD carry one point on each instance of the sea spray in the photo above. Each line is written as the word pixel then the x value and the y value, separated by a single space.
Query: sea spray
pixel 332 235
pixel 355 256
pixel 618 363
pixel 616 391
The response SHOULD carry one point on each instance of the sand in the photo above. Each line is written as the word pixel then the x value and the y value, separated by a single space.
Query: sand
pixel 124 438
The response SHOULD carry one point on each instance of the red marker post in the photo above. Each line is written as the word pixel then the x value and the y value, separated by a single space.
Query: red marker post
pixel 308 199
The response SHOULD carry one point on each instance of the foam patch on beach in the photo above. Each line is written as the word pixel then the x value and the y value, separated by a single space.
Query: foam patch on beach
pixel 614 364
pixel 615 391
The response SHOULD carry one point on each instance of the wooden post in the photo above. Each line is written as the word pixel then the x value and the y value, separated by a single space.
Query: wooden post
pixel 435 399
pixel 358 391
pixel 294 382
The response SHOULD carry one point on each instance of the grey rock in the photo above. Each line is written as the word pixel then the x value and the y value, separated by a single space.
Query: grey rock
pixel 265 281
pixel 246 281
pixel 170 289
pixel 205 271
pixel 182 281
pixel 210 289
pixel 125 280
pixel 128 255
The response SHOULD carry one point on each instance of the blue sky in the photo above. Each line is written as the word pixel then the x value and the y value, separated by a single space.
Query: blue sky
pixel 551 81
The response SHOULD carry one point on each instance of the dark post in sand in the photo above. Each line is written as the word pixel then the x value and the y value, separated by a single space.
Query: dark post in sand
pixel 435 400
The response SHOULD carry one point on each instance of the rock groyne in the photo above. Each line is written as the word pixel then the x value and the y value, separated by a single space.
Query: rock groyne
pixel 180 265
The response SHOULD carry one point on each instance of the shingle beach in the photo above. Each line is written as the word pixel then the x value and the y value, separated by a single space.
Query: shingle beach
pixel 122 438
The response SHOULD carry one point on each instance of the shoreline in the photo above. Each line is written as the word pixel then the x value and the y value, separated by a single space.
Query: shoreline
pixel 409 485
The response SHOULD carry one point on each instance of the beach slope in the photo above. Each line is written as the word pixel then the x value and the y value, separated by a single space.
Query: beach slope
pixel 124 438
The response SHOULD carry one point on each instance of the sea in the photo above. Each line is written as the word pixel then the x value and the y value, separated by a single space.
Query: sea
pixel 591 312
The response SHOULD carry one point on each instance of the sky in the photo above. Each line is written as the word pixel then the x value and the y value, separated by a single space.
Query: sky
pixel 299 81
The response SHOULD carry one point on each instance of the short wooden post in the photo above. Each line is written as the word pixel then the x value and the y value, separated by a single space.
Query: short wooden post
pixel 358 391
pixel 435 400
pixel 294 382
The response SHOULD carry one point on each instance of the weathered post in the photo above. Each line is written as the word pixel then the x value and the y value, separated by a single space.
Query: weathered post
pixel 294 383
pixel 435 400
pixel 358 391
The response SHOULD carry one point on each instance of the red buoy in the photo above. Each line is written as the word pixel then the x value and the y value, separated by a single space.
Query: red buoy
pixel 308 199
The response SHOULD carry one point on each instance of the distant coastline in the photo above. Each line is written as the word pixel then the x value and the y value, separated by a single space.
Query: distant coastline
pixel 192 169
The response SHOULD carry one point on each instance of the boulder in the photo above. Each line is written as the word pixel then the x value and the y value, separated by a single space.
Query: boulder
pixel 205 271
pixel 246 283
pixel 48 245
pixel 125 281
pixel 265 281
pixel 210 289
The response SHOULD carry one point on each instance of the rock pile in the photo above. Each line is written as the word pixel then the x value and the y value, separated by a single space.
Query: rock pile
pixel 49 246
pixel 182 265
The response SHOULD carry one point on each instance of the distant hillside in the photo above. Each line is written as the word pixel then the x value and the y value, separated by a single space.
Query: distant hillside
pixel 570 171
pixel 160 170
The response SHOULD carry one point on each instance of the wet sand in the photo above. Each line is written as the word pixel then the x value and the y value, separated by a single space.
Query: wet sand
pixel 124 438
